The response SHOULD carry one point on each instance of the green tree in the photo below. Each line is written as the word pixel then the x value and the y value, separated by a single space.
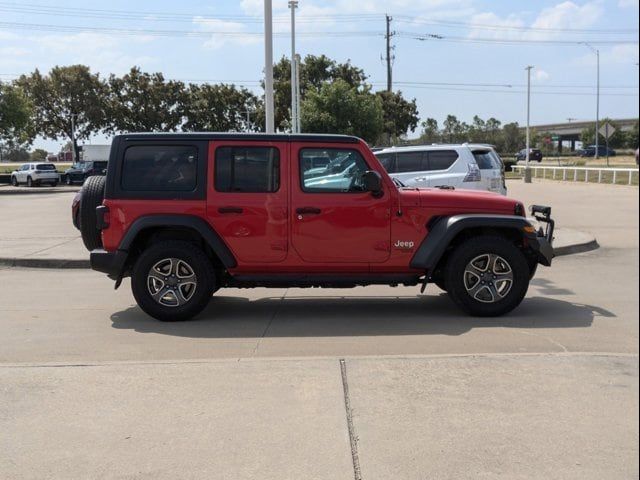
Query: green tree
pixel 341 108
pixel 454 131
pixel 399 115
pixel 430 132
pixel 617 140
pixel 15 154
pixel 315 71
pixel 38 155
pixel 145 102
pixel 219 108
pixel 631 140
pixel 15 116
pixel 64 95
pixel 512 138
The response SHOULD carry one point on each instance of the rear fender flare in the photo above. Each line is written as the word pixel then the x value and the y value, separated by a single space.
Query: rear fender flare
pixel 445 229
pixel 185 221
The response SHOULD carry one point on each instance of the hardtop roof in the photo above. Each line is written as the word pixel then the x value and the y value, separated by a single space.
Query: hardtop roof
pixel 264 137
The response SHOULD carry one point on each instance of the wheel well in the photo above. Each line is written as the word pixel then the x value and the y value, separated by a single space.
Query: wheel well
pixel 511 234
pixel 151 235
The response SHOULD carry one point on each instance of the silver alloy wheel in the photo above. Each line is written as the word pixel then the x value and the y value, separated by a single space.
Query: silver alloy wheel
pixel 488 278
pixel 171 282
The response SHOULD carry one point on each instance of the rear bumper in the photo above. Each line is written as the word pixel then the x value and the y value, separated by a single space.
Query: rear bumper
pixel 111 263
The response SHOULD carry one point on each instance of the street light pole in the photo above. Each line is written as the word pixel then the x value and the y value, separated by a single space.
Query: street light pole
pixel 268 68
pixel 298 108
pixel 527 170
pixel 293 4
pixel 597 52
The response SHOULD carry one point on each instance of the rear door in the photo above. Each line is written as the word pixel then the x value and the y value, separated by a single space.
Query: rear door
pixel 247 195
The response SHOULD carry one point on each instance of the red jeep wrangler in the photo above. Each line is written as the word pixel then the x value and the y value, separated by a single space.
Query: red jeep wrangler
pixel 186 214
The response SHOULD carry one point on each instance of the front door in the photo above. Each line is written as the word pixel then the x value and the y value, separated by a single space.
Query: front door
pixel 333 219
pixel 247 198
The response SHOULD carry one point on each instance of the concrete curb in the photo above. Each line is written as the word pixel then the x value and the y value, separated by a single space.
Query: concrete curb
pixel 62 263
pixel 35 191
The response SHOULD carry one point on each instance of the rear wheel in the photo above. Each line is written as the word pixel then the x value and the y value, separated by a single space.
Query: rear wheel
pixel 173 281
pixel 29 182
pixel 92 196
pixel 487 276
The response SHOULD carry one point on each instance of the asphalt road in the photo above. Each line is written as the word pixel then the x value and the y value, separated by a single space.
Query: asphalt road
pixel 255 386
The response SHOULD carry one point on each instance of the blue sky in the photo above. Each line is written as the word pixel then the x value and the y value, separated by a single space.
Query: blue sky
pixel 470 69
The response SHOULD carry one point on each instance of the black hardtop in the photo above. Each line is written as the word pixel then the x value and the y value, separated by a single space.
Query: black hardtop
pixel 261 137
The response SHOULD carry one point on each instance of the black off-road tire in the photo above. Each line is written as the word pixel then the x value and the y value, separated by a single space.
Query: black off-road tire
pixel 440 284
pixel 14 181
pixel 199 263
pixel 92 196
pixel 473 248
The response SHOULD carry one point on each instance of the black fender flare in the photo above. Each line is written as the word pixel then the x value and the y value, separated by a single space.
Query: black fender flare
pixel 445 229
pixel 186 221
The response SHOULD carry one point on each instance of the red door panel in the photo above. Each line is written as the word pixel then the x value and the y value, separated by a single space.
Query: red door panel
pixel 252 224
pixel 337 227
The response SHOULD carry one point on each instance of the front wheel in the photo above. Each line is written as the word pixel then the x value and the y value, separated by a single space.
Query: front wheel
pixel 14 181
pixel 173 281
pixel 487 276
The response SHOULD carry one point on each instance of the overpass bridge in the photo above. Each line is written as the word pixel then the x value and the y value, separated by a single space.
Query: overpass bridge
pixel 571 131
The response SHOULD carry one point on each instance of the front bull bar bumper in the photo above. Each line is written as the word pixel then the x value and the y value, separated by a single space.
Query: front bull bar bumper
pixel 542 241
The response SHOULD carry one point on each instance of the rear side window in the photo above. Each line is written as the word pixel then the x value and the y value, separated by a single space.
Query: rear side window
pixel 160 168
pixel 386 159
pixel 247 169
pixel 442 159
pixel 411 162
pixel 486 160
pixel 46 166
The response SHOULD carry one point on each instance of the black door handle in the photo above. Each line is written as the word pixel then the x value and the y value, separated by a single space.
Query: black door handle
pixel 230 210
pixel 308 211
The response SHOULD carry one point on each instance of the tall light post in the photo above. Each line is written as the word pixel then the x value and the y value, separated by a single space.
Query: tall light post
pixel 597 52
pixel 268 68
pixel 527 170
pixel 293 4
pixel 298 108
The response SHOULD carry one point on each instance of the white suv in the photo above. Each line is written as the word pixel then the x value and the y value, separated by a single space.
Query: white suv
pixel 466 166
pixel 35 174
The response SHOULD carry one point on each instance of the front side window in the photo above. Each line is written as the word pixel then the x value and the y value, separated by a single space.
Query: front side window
pixel 160 168
pixel 341 174
pixel 247 169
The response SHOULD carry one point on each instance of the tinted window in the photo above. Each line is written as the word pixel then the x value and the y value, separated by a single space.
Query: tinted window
pixel 159 168
pixel 485 160
pixel 46 166
pixel 442 160
pixel 99 165
pixel 343 173
pixel 247 169
pixel 410 162
pixel 386 159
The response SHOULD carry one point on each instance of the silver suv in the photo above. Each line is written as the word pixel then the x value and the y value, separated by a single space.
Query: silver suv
pixel 466 166
pixel 35 174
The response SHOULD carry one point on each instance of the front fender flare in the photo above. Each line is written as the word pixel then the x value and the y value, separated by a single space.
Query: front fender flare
pixel 444 230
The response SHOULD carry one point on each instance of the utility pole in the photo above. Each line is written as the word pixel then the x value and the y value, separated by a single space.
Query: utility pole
pixel 299 113
pixel 74 154
pixel 293 4
pixel 268 68
pixel 597 52
pixel 389 57
pixel 527 170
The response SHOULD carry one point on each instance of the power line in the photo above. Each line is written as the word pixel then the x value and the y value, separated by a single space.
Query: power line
pixel 498 41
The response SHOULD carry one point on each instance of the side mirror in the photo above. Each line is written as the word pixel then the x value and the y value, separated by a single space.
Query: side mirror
pixel 372 182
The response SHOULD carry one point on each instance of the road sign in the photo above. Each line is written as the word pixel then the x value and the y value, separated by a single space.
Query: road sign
pixel 555 138
pixel 607 130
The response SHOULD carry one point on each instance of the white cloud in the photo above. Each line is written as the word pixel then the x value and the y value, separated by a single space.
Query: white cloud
pixel 569 15
pixel 624 54
pixel 223 32
pixel 540 76
pixel 628 3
